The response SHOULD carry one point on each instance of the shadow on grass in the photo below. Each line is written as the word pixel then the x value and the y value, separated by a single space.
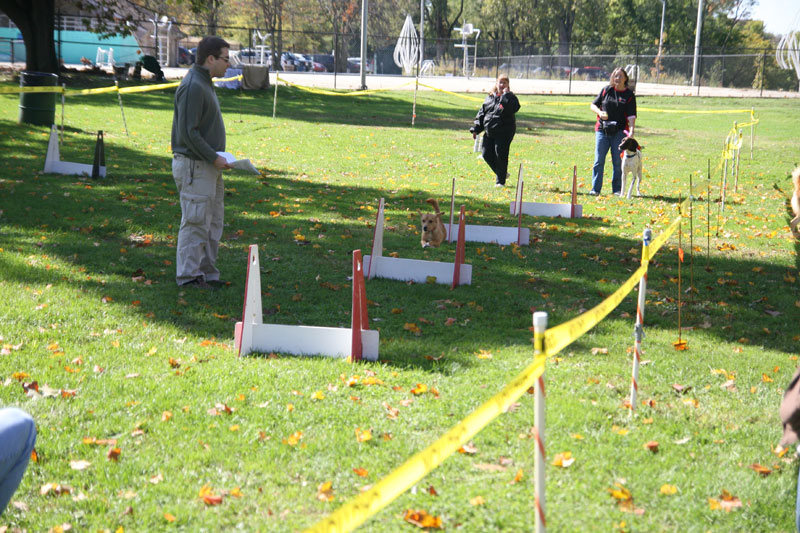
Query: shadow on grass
pixel 98 227
pixel 382 109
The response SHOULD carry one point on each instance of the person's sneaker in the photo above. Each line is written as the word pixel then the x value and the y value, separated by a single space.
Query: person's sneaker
pixel 198 283
pixel 592 193
pixel 219 283
pixel 498 184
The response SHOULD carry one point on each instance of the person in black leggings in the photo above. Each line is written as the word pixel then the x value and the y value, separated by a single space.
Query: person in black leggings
pixel 496 118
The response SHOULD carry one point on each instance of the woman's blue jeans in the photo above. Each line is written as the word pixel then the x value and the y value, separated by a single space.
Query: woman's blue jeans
pixel 601 146
pixel 17 437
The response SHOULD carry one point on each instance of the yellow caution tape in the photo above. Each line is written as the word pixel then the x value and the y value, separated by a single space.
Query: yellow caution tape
pixel 147 88
pixel 472 98
pixel 355 512
pixel 99 90
pixel 660 110
pixel 352 514
pixel 48 89
pixel 336 93
pixel 695 111
pixel 659 241
pixel 561 336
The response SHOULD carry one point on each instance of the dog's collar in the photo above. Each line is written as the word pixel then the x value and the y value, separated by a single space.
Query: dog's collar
pixel 634 154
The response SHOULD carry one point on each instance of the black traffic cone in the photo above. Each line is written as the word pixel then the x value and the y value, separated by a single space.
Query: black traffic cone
pixel 99 155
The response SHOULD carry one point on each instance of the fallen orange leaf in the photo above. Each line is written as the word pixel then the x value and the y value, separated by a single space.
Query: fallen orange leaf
pixel 761 469
pixel 422 519
pixel 477 500
pixel 325 492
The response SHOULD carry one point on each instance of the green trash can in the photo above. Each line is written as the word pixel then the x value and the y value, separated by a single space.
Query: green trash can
pixel 37 108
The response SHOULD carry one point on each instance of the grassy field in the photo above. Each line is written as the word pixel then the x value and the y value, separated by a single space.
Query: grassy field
pixel 126 360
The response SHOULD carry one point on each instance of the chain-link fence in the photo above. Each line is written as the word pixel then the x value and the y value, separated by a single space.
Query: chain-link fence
pixel 172 43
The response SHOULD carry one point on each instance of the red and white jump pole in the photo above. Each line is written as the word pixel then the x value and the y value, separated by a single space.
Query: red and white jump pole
pixel 539 327
pixel 638 329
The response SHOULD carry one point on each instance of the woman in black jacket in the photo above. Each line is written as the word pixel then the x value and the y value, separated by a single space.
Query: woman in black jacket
pixel 496 118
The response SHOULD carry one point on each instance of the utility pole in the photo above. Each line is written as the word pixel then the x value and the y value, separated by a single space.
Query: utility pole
pixel 421 33
pixel 661 38
pixel 699 30
pixel 364 9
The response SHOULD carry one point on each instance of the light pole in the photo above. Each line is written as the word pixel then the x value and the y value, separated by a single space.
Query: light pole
pixel 699 30
pixel 660 38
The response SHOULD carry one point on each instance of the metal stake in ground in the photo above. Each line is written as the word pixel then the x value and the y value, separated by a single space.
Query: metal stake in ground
pixel 63 95
pixel 122 109
pixel 708 219
pixel 680 344
pixel 691 242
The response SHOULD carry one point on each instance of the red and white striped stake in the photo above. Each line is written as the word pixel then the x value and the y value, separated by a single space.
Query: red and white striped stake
pixel 358 310
pixel 638 330
pixel 574 197
pixel 539 327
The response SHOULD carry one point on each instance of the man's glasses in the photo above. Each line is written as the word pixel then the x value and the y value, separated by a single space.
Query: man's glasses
pixel 225 58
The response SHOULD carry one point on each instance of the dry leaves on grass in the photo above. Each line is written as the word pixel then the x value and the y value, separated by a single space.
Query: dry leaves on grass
pixel 79 465
pixel 761 469
pixel 563 459
pixel 363 435
pixel 325 492
pixel 207 495
pixel 624 499
pixel 56 489
pixel 726 501
pixel 652 446
pixel 422 519
pixel 668 490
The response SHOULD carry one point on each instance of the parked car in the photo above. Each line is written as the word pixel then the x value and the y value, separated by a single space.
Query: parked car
pixel 326 60
pixel 185 56
pixel 357 62
pixel 592 73
pixel 308 64
pixel 252 56
pixel 296 62
pixel 553 72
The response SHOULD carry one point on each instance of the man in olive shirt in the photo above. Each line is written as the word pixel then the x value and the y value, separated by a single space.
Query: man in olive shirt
pixel 198 133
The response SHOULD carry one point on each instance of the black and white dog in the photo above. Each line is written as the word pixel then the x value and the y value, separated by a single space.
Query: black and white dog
pixel 631 163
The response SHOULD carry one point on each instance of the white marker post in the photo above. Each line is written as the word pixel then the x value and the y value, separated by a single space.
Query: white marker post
pixel 638 330
pixel 539 327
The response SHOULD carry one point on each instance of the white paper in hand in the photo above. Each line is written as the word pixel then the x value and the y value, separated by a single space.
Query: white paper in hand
pixel 238 164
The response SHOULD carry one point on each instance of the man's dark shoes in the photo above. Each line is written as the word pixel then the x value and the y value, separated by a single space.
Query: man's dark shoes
pixel 198 283
pixel 218 283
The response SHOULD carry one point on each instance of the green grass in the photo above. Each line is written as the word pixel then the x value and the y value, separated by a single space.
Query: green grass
pixel 70 306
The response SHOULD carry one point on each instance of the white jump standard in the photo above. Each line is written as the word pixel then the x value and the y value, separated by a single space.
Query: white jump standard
pixel 536 209
pixel 252 335
pixel 54 165
pixel 489 234
pixel 417 270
